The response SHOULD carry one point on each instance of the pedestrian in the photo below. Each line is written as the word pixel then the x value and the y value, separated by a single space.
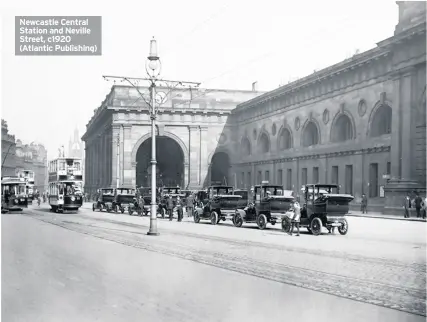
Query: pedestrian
pixel 169 206
pixel 407 205
pixel 364 205
pixel 141 204
pixel 418 202
pixel 424 207
pixel 190 205
pixel 296 218
pixel 179 208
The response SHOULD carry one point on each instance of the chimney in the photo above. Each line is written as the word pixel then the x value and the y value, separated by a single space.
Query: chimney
pixel 255 87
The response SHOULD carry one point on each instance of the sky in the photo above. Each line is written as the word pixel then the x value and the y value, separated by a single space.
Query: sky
pixel 222 44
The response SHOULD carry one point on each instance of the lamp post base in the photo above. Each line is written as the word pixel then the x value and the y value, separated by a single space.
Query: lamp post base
pixel 153 228
pixel 152 233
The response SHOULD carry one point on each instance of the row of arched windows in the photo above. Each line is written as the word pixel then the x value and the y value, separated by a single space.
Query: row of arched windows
pixel 342 130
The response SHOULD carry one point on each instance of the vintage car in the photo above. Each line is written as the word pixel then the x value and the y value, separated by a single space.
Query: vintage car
pixel 174 192
pixel 105 199
pixel 268 205
pixel 219 205
pixel 323 206
pixel 125 197
pixel 13 194
pixel 243 202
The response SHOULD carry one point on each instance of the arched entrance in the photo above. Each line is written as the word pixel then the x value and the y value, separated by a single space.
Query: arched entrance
pixel 220 166
pixel 170 163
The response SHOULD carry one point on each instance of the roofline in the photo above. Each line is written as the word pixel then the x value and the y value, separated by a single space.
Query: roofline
pixel 198 88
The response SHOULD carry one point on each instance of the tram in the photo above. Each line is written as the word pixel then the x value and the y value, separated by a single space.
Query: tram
pixel 13 194
pixel 65 184
pixel 28 176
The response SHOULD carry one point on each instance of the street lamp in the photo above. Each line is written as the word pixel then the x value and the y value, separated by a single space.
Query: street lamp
pixel 153 68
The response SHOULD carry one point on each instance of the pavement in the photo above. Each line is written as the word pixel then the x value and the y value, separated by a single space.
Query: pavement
pixel 93 266
pixel 352 213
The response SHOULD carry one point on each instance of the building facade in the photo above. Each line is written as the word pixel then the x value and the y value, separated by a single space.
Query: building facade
pixel 8 155
pixel 17 156
pixel 190 126
pixel 360 123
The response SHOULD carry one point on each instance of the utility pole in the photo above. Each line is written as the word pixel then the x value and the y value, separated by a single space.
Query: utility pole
pixel 153 68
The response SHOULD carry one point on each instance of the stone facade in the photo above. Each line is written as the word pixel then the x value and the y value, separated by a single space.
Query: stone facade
pixel 24 157
pixel 8 155
pixel 195 120
pixel 360 123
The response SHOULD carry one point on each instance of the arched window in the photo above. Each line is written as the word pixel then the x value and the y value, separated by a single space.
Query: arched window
pixel 342 129
pixel 285 140
pixel 245 147
pixel 264 143
pixel 311 135
pixel 381 122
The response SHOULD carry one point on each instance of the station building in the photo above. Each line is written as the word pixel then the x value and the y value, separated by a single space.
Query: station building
pixel 360 123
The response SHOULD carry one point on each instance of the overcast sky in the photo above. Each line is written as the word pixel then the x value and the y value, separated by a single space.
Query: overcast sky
pixel 223 44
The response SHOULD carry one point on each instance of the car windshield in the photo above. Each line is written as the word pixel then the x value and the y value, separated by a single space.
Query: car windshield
pixel 273 191
pixel 108 192
pixel 125 191
pixel 223 191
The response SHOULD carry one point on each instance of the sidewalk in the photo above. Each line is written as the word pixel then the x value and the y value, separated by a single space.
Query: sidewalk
pixel 352 213
pixel 355 213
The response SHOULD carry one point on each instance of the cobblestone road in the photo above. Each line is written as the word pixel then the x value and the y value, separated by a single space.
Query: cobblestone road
pixel 381 275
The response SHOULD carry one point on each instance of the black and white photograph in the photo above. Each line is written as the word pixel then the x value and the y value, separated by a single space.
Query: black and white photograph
pixel 213 161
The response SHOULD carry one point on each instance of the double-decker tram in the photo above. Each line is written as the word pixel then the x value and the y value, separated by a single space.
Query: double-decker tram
pixel 13 194
pixel 28 176
pixel 65 184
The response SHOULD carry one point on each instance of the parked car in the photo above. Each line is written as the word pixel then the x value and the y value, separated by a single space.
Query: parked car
pixel 268 205
pixel 220 204
pixel 323 206
pixel 105 199
pixel 243 202
pixel 125 197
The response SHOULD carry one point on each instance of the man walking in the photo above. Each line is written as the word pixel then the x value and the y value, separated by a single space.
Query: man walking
pixel 407 205
pixel 418 202
pixel 190 205
pixel 179 208
pixel 296 218
pixel 364 204
pixel 169 206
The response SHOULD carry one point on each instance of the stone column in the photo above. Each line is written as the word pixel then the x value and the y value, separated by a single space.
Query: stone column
pixel 402 180
pixel 127 155
pixel 194 147
pixel 204 177
pixel 115 136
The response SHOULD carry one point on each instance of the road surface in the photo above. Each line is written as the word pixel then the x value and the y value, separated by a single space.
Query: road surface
pixel 103 267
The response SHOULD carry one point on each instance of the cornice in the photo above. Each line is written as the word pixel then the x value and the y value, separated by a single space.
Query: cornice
pixel 371 150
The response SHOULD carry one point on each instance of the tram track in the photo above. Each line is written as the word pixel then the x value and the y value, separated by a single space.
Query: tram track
pixel 414 267
pixel 411 300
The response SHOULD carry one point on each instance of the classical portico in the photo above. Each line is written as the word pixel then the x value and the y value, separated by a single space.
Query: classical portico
pixel 191 130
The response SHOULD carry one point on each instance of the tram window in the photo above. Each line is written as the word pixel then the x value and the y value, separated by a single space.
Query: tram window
pixel 78 166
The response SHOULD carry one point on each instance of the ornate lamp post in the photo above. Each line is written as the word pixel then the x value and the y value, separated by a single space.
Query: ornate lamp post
pixel 153 68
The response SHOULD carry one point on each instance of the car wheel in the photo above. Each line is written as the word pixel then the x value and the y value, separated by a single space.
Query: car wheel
pixel 214 218
pixel 237 220
pixel 286 225
pixel 316 226
pixel 196 217
pixel 344 228
pixel 261 221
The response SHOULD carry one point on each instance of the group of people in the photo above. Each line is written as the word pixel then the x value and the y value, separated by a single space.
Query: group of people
pixel 180 205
